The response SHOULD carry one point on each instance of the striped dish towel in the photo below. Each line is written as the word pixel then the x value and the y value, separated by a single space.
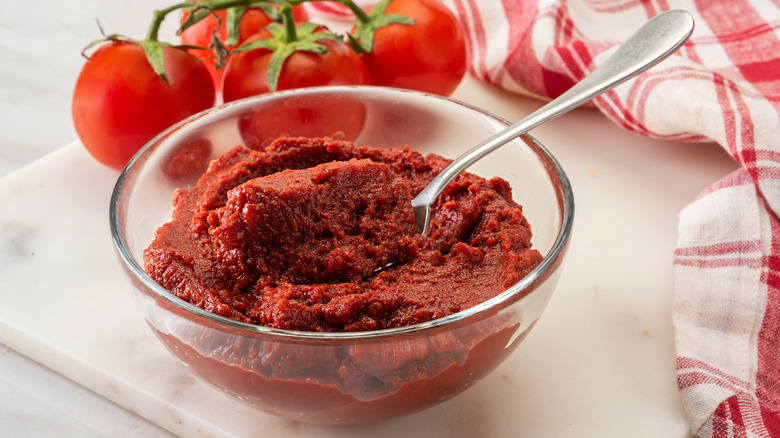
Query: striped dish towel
pixel 722 86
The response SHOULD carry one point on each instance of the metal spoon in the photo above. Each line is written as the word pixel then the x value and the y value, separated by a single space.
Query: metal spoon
pixel 657 39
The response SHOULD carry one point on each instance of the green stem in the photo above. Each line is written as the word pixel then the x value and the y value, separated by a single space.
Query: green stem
pixel 289 23
pixel 159 15
pixel 360 14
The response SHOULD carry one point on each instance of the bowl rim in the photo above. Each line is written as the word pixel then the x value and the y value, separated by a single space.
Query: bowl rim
pixel 557 249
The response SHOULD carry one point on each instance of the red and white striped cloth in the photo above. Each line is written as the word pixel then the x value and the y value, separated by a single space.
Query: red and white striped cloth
pixel 723 86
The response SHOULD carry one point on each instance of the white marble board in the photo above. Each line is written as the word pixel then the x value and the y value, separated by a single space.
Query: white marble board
pixel 599 363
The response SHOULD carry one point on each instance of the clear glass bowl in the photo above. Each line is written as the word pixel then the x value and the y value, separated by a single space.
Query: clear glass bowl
pixel 342 378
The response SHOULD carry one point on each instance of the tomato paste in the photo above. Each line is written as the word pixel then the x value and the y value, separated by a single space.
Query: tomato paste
pixel 336 221
pixel 290 237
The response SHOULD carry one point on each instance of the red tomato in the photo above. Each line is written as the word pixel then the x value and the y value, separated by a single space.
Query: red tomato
pixel 246 72
pixel 120 103
pixel 429 55
pixel 339 117
pixel 252 21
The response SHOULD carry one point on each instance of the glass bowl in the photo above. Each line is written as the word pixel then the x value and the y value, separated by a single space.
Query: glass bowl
pixel 356 377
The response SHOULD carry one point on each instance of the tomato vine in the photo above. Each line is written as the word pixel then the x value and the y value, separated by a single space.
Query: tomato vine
pixel 287 36
pixel 131 89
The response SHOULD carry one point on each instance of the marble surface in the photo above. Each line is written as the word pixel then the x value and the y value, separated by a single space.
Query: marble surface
pixel 600 362
pixel 40 45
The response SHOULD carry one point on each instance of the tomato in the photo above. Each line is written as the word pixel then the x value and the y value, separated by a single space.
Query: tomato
pixel 429 55
pixel 334 116
pixel 120 103
pixel 252 21
pixel 247 72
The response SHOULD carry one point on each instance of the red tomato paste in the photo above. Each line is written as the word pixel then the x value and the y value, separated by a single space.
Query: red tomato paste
pixel 337 221
pixel 289 237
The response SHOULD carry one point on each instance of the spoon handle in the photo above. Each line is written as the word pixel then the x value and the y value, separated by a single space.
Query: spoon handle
pixel 653 42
